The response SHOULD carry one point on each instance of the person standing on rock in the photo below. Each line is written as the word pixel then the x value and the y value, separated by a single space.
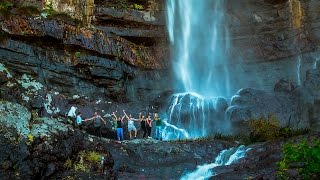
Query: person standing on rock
pixel 79 121
pixel 149 125
pixel 120 136
pixel 131 126
pixel 72 115
pixel 143 124
pixel 158 126
pixel 97 123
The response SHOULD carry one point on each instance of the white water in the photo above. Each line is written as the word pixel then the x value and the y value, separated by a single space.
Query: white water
pixel 200 42
pixel 299 70
pixel 226 157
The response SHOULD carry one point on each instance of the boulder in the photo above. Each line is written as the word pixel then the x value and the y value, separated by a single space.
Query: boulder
pixel 284 85
pixel 251 103
pixel 16 116
pixel 47 127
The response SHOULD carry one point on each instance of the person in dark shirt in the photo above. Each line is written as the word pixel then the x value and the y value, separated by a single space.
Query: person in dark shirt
pixel 143 124
pixel 120 136
pixel 149 125
pixel 97 119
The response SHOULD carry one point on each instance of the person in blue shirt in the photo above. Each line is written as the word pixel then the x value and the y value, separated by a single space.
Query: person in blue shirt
pixel 79 121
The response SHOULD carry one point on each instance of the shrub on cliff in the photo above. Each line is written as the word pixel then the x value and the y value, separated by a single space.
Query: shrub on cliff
pixel 302 159
pixel 262 129
pixel 268 129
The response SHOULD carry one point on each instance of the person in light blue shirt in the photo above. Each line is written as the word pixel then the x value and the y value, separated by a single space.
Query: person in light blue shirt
pixel 79 121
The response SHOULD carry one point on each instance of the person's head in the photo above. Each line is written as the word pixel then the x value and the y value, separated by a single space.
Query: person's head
pixel 130 116
pixel 142 117
pixel 96 113
pixel 156 114
pixel 79 113
pixel 119 118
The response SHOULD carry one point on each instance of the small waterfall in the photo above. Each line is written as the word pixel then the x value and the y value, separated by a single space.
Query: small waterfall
pixel 226 157
pixel 200 42
pixel 299 70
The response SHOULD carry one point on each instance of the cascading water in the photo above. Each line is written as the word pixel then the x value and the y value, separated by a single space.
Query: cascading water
pixel 200 43
pixel 226 157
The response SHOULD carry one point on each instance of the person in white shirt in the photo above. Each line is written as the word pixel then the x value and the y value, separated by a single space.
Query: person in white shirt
pixel 131 126
pixel 72 115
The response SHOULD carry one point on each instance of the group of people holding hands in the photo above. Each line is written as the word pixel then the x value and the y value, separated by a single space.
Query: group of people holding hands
pixel 118 121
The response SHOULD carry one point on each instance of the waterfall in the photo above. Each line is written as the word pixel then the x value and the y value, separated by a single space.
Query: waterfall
pixel 226 157
pixel 200 43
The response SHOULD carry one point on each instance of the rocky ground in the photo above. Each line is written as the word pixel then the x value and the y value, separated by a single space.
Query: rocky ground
pixel 49 148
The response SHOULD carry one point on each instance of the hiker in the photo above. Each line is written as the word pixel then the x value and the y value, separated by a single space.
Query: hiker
pixel 143 124
pixel 97 123
pixel 72 115
pixel 158 126
pixel 131 126
pixel 149 125
pixel 120 136
pixel 79 121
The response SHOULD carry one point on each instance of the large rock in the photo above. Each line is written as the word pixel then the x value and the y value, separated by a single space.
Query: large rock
pixel 46 127
pixel 16 116
pixel 252 104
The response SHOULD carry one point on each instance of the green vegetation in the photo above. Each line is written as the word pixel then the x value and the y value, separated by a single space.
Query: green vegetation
pixel 137 7
pixel 269 129
pixel 5 8
pixel 85 162
pixel 5 5
pixel 262 129
pixel 304 157
pixel 48 11
pixel 77 54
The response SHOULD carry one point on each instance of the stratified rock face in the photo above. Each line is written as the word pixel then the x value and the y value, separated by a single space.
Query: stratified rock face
pixel 272 40
pixel 15 116
pixel 120 55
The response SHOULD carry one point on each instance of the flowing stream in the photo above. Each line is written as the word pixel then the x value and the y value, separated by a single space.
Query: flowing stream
pixel 226 157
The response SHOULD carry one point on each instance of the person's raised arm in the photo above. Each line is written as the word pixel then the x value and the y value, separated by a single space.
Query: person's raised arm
pixel 123 117
pixel 125 114
pixel 103 120
pixel 114 115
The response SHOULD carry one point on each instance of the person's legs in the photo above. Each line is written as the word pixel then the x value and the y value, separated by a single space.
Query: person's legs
pixel 149 131
pixel 135 133
pixel 130 129
pixel 157 133
pixel 144 132
pixel 121 129
pixel 118 133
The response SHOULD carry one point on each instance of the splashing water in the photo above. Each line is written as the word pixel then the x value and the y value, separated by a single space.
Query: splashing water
pixel 201 44
pixel 173 132
pixel 226 157
pixel 196 115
